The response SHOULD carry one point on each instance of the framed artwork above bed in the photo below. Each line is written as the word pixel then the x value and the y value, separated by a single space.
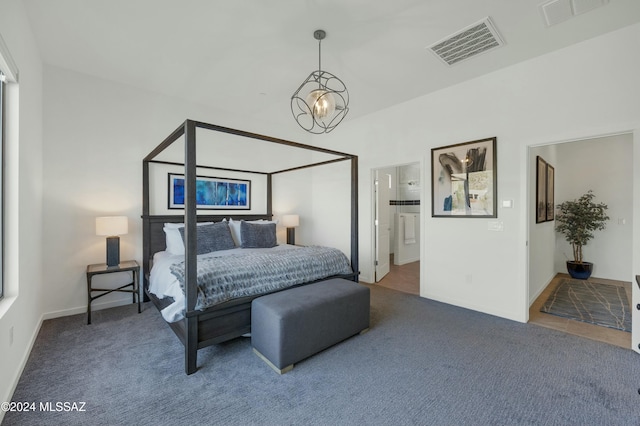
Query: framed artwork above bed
pixel 212 193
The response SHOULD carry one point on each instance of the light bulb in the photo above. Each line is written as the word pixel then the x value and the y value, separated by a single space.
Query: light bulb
pixel 321 103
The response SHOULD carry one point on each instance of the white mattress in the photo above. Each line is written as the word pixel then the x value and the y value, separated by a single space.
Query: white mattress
pixel 162 283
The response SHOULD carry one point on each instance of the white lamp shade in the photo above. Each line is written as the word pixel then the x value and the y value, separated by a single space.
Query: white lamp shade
pixel 112 225
pixel 290 220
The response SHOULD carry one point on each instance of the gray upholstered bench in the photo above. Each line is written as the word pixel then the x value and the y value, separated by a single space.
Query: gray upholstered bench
pixel 291 325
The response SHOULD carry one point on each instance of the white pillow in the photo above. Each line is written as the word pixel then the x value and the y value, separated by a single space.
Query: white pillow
pixel 234 225
pixel 173 239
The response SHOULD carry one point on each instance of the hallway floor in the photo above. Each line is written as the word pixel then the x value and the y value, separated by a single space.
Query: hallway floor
pixel 405 278
pixel 590 331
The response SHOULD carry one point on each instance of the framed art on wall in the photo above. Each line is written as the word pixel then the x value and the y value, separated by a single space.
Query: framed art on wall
pixel 550 193
pixel 464 180
pixel 212 193
pixel 545 181
pixel 541 190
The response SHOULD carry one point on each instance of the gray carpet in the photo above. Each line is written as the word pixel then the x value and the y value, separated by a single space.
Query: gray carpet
pixel 595 303
pixel 422 362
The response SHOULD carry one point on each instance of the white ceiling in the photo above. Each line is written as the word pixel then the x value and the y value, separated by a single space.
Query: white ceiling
pixel 249 56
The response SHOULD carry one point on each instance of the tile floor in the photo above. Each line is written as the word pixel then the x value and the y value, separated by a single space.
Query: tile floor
pixel 405 278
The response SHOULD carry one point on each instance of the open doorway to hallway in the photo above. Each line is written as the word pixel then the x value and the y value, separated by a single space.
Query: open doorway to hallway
pixel 405 278
pixel 397 227
pixel 604 165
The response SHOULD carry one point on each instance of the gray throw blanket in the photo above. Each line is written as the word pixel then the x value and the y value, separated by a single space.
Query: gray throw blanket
pixel 253 273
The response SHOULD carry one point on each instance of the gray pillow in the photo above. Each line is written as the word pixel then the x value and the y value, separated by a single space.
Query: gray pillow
pixel 257 235
pixel 214 237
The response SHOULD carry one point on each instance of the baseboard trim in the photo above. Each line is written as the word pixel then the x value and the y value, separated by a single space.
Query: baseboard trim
pixel 23 364
pixel 83 309
pixel 34 336
pixel 401 262
pixel 509 315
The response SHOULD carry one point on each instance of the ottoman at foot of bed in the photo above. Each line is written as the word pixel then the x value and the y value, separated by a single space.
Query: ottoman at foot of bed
pixel 291 325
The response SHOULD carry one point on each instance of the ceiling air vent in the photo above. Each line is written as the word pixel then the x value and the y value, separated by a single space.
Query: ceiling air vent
pixel 468 42
pixel 555 11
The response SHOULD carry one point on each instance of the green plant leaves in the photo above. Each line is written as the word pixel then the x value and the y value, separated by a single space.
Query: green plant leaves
pixel 578 219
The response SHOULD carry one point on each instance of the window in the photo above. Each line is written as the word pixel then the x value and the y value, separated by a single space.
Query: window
pixel 2 81
pixel 8 76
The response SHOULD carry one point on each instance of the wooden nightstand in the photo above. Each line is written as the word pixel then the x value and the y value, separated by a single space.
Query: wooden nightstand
pixel 102 268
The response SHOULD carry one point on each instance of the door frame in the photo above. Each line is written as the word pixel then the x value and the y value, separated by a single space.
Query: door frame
pixel 372 178
pixel 634 268
pixel 377 183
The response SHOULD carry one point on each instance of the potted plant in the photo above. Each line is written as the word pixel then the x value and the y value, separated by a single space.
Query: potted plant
pixel 577 220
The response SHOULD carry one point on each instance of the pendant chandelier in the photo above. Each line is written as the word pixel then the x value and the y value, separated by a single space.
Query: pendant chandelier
pixel 322 100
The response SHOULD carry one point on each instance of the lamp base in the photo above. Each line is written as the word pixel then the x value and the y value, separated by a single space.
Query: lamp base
pixel 291 236
pixel 113 251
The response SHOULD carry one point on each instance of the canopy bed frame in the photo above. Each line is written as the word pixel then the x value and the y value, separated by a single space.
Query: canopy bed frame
pixel 231 319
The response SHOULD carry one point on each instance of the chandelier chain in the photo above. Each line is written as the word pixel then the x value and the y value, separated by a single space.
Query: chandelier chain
pixel 319 61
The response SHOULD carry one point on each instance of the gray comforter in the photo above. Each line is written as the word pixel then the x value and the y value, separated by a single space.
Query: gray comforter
pixel 249 274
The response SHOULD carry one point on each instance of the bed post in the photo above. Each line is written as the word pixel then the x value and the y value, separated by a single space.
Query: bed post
pixel 269 196
pixel 354 218
pixel 146 230
pixel 146 207
pixel 190 244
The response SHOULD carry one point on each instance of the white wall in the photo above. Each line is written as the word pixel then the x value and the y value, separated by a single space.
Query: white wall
pixel 542 236
pixel 96 134
pixel 331 222
pixel 604 165
pixel 578 92
pixel 21 309
pixel 287 188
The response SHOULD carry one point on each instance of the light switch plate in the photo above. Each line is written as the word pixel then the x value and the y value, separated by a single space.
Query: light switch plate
pixel 496 225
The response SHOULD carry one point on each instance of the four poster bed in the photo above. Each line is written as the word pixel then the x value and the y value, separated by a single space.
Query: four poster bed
pixel 199 318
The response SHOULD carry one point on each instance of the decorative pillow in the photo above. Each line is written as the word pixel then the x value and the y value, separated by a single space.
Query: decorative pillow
pixel 234 225
pixel 258 235
pixel 235 228
pixel 173 240
pixel 214 237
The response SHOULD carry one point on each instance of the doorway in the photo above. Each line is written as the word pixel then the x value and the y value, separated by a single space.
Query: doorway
pixel 396 224
pixel 599 164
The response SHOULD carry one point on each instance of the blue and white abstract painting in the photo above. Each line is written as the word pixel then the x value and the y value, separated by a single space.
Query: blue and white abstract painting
pixel 211 193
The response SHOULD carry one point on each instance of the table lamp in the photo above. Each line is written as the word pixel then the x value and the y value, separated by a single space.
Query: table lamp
pixel 112 227
pixel 290 221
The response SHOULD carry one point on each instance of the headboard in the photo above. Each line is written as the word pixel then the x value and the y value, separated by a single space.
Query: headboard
pixel 154 237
